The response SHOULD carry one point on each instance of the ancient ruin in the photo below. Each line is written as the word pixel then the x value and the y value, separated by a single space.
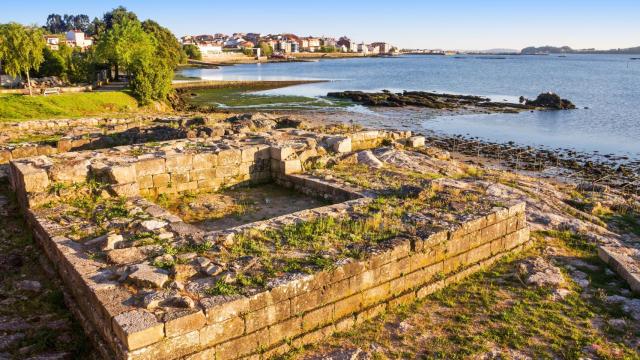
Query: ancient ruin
pixel 146 284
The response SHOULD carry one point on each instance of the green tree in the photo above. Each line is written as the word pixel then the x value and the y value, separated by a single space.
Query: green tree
pixel 193 52
pixel 117 16
pixel 151 79
pixel 124 43
pixel 54 64
pixel 266 49
pixel 23 50
pixel 167 45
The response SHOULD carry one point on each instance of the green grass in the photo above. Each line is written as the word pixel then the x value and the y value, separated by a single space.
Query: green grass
pixel 23 107
pixel 241 98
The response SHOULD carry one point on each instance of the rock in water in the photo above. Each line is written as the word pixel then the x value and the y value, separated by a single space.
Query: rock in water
pixel 550 101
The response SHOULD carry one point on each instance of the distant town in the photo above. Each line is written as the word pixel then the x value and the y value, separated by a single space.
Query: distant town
pixel 282 44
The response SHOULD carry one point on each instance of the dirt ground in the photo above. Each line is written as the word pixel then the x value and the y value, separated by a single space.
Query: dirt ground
pixel 242 205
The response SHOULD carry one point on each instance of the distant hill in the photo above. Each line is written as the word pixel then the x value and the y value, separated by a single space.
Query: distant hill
pixel 532 50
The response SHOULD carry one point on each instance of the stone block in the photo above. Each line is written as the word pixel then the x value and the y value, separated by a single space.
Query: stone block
pixel 268 315
pixel 416 141
pixel 285 330
pixel 229 157
pixel 125 190
pixel 72 171
pixel 145 182
pixel 281 153
pixel 150 166
pixel 221 331
pixel 347 306
pixel 183 321
pixel 226 171
pixel 205 161
pixel 168 348
pixel 137 329
pixel 242 346
pixel 318 317
pixel 179 163
pixel 189 186
pixel 220 308
pixel 5 156
pixel 160 180
pixel 340 144
pixel 375 295
pixel 122 174
pixel 291 166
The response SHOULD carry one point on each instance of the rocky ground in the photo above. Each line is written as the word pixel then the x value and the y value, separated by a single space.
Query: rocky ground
pixel 557 300
pixel 34 321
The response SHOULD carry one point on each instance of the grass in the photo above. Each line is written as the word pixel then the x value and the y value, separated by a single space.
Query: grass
pixel 241 97
pixel 23 107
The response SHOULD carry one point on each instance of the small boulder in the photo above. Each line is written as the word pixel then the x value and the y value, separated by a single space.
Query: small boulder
pixel 367 158
pixel 151 225
pixel 28 285
pixel 540 272
pixel 149 276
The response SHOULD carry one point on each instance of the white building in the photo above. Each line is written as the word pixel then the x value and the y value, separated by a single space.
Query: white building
pixel 209 49
pixel 77 38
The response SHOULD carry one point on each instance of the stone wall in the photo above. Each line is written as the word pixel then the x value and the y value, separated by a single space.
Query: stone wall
pixel 298 310
pixel 308 309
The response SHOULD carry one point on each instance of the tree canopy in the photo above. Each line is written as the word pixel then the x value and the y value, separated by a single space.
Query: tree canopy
pixel 22 49
pixel 193 52
pixel 167 45
pixel 57 23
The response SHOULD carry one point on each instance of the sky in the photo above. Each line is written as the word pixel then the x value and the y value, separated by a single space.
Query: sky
pixel 444 24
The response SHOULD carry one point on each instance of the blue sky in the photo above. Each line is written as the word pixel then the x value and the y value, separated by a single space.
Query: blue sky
pixel 451 24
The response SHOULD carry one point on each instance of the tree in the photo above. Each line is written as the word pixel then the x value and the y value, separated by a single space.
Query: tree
pixel 123 43
pixel 167 45
pixel 151 79
pixel 193 52
pixel 55 24
pixel 54 64
pixel 266 49
pixel 96 27
pixel 117 16
pixel 23 50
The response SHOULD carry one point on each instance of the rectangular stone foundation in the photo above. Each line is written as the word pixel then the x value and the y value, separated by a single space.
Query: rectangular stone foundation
pixel 300 311
pixel 296 310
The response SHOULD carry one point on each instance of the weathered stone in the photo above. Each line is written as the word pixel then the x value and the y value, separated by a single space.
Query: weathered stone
pixel 137 329
pixel 416 141
pixel 122 174
pixel 134 254
pixel 147 275
pixel 151 225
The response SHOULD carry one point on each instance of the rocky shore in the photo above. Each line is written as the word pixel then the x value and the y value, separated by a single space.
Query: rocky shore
pixel 431 100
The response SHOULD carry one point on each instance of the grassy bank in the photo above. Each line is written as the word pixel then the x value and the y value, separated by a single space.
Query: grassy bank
pixel 240 95
pixel 21 107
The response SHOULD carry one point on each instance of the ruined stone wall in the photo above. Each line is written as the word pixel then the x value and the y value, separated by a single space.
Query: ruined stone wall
pixel 300 310
pixel 202 171
pixel 307 309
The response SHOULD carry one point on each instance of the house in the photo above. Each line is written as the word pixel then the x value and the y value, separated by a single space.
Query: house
pixel 246 45
pixel 253 37
pixel 385 48
pixel 209 48
pixel 53 42
pixel 77 38
pixel 363 48
pixel 310 44
pixel 328 42
pixel 350 45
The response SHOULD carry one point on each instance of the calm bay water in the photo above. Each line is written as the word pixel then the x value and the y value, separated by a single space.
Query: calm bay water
pixel 608 85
